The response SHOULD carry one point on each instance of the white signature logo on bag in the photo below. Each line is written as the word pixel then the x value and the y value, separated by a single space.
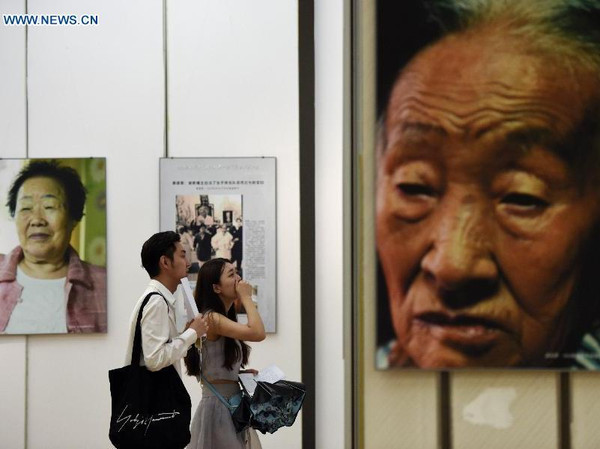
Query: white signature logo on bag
pixel 141 420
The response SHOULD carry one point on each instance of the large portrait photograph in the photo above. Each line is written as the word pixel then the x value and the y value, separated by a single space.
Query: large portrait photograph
pixel 53 246
pixel 481 200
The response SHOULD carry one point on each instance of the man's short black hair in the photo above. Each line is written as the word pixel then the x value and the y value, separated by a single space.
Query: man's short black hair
pixel 160 244
pixel 67 177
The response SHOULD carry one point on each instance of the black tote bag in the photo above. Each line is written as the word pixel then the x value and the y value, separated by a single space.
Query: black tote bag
pixel 149 410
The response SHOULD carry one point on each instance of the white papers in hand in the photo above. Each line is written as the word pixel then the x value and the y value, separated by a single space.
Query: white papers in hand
pixel 191 310
pixel 190 304
pixel 270 374
pixel 248 382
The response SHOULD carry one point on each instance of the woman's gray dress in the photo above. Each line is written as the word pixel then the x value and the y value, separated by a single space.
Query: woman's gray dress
pixel 212 427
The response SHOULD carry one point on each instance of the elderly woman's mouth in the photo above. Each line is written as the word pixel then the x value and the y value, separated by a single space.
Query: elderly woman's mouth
pixel 464 331
pixel 38 236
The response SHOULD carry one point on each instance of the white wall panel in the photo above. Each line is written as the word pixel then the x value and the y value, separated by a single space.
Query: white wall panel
pixel 401 409
pixel 504 409
pixel 233 79
pixel 233 91
pixel 12 392
pixel 329 201
pixel 13 133
pixel 585 404
pixel 96 91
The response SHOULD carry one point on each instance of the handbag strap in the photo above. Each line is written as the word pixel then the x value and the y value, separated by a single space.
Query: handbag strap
pixel 216 393
pixel 136 351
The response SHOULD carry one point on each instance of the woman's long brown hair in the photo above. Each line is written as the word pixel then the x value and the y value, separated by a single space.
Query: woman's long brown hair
pixel 209 302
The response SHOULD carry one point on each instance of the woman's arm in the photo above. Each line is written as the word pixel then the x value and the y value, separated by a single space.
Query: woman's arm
pixel 254 330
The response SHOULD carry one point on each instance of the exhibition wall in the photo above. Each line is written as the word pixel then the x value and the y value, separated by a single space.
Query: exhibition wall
pixel 168 79
pixel 200 78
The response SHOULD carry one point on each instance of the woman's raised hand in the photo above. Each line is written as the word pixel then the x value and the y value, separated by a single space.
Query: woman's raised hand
pixel 243 289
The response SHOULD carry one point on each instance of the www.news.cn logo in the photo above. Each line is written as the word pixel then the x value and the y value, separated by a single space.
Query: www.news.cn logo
pixel 49 19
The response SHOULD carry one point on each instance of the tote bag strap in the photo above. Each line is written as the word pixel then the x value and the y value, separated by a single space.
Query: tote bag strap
pixel 136 351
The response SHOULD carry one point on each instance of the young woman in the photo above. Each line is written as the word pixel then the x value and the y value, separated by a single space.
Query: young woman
pixel 224 352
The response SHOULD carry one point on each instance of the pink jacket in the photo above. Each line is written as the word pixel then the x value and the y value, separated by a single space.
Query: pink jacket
pixel 85 289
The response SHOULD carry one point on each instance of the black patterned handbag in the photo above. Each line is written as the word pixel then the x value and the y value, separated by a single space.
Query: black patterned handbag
pixel 274 405
pixel 149 410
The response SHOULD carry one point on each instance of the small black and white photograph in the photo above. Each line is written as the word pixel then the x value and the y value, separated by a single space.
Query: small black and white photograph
pixel 211 226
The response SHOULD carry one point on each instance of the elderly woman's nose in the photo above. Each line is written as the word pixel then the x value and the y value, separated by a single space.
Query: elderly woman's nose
pixel 38 215
pixel 461 249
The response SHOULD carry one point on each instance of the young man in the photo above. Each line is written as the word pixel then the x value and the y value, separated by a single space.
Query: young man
pixel 164 259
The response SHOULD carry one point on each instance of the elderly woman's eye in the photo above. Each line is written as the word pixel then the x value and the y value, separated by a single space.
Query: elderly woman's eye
pixel 414 189
pixel 524 200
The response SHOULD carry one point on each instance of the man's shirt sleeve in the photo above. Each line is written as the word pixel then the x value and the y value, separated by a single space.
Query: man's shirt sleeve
pixel 159 351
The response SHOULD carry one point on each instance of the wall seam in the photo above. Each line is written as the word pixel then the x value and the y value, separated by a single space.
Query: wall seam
pixel 26 367
pixel 166 78
pixel 350 338
pixel 564 410
pixel 306 105
pixel 26 84
pixel 445 410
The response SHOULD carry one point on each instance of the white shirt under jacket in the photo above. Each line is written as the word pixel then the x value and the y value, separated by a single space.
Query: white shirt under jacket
pixel 161 344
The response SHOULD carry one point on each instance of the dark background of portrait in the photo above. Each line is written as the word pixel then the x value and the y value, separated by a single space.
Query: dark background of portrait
pixel 403 28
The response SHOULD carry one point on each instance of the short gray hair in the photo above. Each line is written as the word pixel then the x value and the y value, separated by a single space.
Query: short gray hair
pixel 566 28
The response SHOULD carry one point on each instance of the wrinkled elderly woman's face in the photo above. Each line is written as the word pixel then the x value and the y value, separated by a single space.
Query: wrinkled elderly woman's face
pixel 43 223
pixel 480 224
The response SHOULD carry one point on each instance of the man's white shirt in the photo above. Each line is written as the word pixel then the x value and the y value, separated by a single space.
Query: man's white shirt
pixel 162 345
